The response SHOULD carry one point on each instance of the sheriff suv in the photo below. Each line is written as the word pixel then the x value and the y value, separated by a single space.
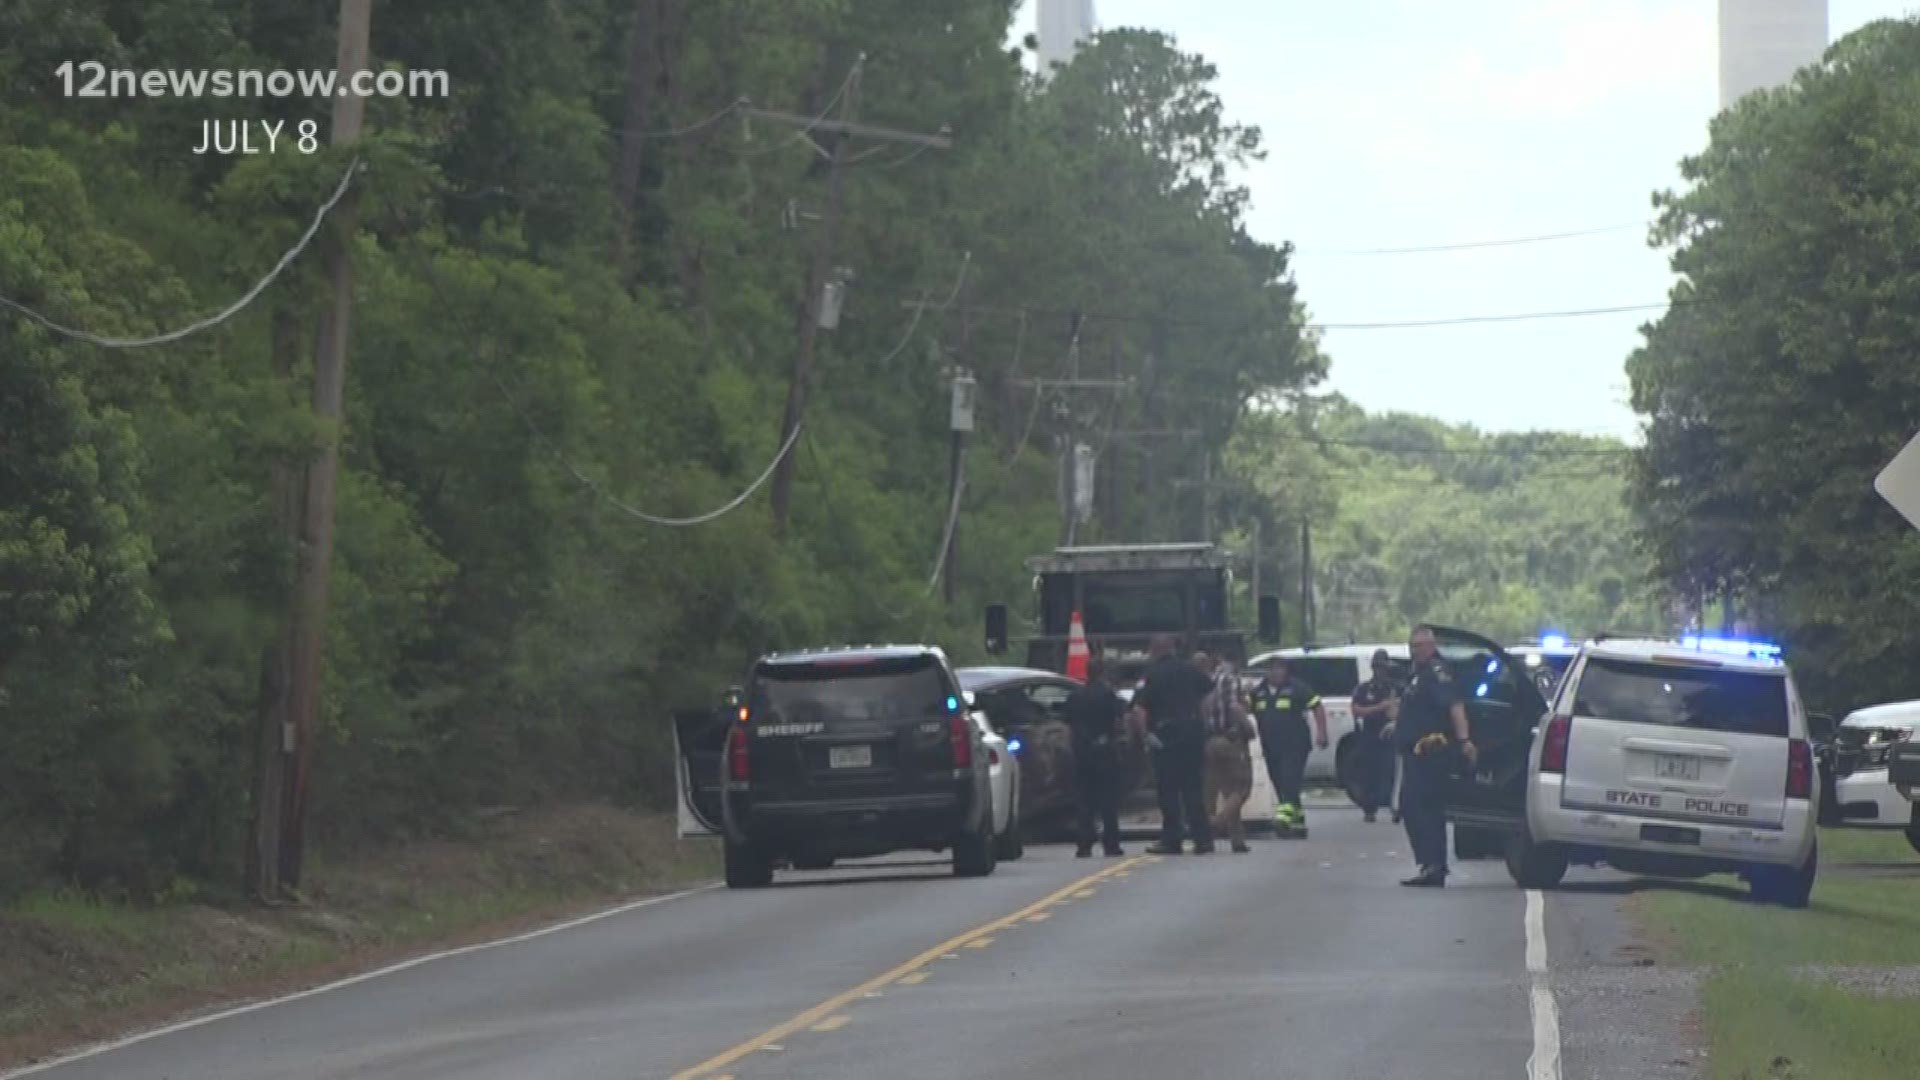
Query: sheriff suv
pixel 1673 758
pixel 852 752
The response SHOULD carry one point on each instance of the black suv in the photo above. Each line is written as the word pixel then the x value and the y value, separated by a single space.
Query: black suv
pixel 852 752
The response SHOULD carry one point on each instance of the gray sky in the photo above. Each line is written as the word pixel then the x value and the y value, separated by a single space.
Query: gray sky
pixel 1402 123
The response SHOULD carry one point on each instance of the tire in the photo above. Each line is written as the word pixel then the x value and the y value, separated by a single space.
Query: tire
pixel 1010 845
pixel 1787 886
pixel 1913 829
pixel 974 855
pixel 747 867
pixel 1470 843
pixel 1343 771
pixel 1535 866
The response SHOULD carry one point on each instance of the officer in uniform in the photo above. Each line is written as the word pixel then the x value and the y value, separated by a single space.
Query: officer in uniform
pixel 1373 703
pixel 1280 705
pixel 1170 698
pixel 1093 714
pixel 1431 727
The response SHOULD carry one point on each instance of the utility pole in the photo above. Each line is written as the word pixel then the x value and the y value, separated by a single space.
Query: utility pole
pixel 1256 563
pixel 1206 497
pixel 959 422
pixel 845 129
pixel 309 614
pixel 1306 583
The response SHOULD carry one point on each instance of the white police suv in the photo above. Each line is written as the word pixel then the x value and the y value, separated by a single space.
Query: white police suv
pixel 1673 758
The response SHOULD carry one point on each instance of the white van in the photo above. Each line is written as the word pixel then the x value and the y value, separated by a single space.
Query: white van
pixel 1863 792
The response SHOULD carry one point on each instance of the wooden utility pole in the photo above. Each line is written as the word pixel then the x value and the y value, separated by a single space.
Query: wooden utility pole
pixel 1306 583
pixel 844 129
pixel 309 615
pixel 273 741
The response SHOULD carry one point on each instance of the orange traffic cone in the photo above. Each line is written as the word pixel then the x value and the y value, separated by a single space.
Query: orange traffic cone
pixel 1076 649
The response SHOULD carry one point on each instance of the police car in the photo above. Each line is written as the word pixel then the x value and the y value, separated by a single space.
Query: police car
pixel 846 753
pixel 1546 659
pixel 1672 758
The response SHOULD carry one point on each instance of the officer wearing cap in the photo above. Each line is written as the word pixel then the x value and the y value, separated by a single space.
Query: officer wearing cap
pixel 1280 704
pixel 1430 729
pixel 1373 704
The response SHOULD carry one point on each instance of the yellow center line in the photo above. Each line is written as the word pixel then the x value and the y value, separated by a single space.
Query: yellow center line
pixel 826 1008
pixel 1084 893
pixel 914 979
pixel 833 1023
pixel 979 943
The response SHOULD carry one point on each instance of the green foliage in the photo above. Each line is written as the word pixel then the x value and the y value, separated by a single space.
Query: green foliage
pixel 1413 520
pixel 1782 378
pixel 555 324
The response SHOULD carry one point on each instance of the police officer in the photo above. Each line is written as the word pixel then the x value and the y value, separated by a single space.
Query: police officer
pixel 1093 715
pixel 1169 698
pixel 1373 702
pixel 1431 726
pixel 1280 705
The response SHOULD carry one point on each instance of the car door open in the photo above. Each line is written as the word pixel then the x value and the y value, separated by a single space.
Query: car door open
pixel 1504 706
pixel 699 744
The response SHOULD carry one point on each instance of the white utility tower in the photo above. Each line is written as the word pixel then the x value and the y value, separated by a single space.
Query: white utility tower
pixel 1064 25
pixel 1763 42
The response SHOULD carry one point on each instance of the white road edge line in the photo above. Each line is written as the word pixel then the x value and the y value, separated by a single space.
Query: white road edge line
pixel 365 976
pixel 1544 1064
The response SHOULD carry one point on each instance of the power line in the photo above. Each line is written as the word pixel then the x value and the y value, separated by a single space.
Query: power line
pixel 231 310
pixel 1469 245
pixel 651 519
pixel 1522 451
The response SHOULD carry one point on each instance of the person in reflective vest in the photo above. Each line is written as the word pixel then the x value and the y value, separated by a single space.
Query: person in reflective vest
pixel 1280 704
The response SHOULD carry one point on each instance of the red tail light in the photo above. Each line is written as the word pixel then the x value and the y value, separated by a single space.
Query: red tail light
pixel 737 765
pixel 1799 770
pixel 961 731
pixel 1553 756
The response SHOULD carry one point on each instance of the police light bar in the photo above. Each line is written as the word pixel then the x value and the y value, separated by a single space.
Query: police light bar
pixel 1553 641
pixel 1758 650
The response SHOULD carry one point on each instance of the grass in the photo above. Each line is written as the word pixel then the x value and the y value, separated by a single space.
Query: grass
pixel 74 969
pixel 1764 1022
pixel 1767 1025
pixel 1855 918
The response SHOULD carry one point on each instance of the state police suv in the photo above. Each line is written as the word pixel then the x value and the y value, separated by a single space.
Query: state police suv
pixel 1677 759
pixel 847 753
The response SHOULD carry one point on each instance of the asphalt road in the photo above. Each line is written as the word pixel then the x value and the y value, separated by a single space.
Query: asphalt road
pixel 1304 958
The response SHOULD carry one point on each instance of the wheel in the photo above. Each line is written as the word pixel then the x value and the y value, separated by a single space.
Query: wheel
pixel 1010 845
pixel 747 867
pixel 1913 829
pixel 974 855
pixel 1534 866
pixel 1346 774
pixel 1788 886
pixel 1470 843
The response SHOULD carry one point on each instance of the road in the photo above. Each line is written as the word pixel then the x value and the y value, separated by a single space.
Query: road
pixel 1303 958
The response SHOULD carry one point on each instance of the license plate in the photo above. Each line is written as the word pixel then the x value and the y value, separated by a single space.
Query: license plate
pixel 849 757
pixel 1676 767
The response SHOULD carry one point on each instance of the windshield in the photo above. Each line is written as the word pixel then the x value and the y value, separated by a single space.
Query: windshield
pixel 869 693
pixel 1752 703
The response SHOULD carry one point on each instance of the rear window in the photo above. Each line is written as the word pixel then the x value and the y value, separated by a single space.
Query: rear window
pixel 1748 702
pixel 863 691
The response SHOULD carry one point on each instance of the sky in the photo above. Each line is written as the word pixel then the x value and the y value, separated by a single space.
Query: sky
pixel 1407 123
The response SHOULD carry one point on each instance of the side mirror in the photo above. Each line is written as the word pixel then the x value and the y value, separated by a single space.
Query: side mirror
pixel 996 628
pixel 1270 620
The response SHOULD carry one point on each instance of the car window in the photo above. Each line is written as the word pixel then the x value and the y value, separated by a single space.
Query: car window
pixel 1009 708
pixel 876 692
pixel 1049 700
pixel 1329 676
pixel 1707 699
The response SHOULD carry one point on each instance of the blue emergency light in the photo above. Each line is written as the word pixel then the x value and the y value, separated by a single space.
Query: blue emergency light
pixel 1481 691
pixel 953 704
pixel 1758 650
pixel 1553 641
pixel 1013 745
